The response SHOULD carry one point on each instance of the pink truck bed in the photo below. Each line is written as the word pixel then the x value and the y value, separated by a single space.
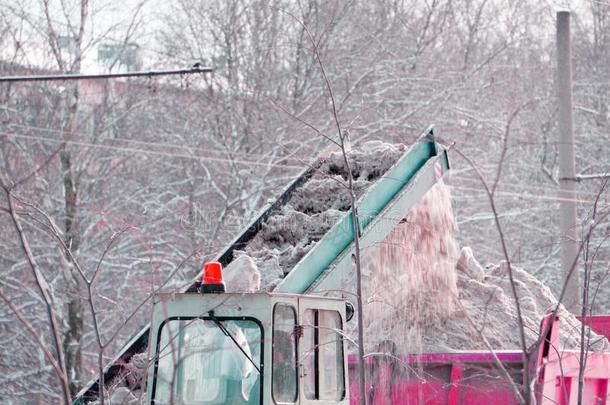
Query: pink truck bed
pixel 474 379
pixel 557 378
pixel 438 379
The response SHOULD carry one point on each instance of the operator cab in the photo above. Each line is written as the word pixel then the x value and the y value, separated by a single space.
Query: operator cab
pixel 248 348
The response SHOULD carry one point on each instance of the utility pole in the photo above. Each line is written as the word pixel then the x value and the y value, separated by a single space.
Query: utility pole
pixel 567 175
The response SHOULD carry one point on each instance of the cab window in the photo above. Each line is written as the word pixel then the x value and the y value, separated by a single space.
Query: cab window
pixel 284 384
pixel 199 363
pixel 323 362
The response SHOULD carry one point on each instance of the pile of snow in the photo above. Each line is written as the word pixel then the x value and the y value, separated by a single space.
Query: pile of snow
pixel 242 275
pixel 483 307
pixel 427 297
pixel 487 300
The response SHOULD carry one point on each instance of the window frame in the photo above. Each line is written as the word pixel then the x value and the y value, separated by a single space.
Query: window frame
pixel 316 355
pixel 296 353
pixel 208 318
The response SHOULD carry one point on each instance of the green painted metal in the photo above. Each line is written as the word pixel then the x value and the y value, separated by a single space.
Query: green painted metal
pixel 339 276
pixel 341 236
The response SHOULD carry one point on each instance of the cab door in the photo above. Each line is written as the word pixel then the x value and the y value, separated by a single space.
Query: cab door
pixel 322 357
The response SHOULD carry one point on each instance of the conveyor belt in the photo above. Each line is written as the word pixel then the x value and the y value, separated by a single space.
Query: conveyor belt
pixel 328 263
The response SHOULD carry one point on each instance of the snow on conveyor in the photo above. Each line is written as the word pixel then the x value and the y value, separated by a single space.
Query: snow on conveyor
pixel 313 208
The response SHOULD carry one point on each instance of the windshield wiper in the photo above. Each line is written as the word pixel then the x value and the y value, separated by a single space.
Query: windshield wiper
pixel 227 333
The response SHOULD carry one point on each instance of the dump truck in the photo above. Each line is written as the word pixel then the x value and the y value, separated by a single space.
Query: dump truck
pixel 289 346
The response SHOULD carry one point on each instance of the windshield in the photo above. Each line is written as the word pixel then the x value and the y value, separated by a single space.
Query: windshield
pixel 203 363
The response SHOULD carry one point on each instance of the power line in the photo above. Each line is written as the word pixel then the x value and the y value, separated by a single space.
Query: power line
pixel 581 177
pixel 186 147
pixel 542 188
pixel 288 166
pixel 196 68
pixel 191 148
pixel 150 152
pixel 526 195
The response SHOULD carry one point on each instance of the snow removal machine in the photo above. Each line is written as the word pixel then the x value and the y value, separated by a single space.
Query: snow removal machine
pixel 287 346
pixel 206 346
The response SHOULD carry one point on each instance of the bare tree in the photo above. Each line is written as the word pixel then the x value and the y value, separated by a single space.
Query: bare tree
pixel 180 164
